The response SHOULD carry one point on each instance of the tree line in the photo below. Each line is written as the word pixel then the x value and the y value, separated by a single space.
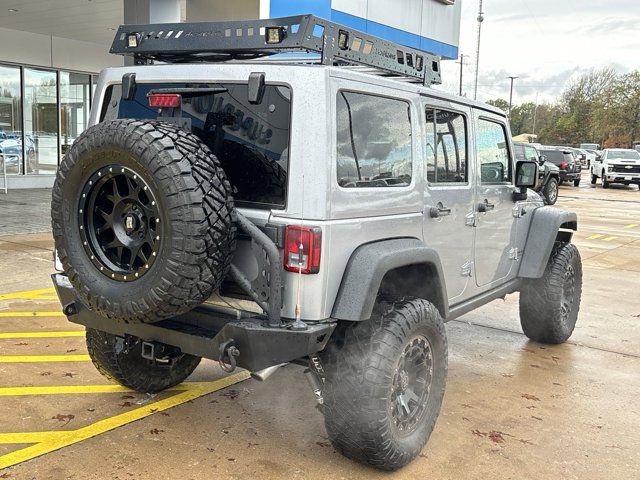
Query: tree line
pixel 601 106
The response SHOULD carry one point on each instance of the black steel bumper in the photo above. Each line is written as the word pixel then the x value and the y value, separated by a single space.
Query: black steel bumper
pixel 208 331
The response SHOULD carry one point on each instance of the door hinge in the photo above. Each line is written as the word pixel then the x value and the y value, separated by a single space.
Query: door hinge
pixel 514 253
pixel 467 269
pixel 518 211
pixel 470 219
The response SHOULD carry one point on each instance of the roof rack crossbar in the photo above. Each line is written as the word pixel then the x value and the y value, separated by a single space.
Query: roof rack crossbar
pixel 247 39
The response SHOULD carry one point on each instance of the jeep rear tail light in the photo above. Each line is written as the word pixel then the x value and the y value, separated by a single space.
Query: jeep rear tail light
pixel 302 247
pixel 164 100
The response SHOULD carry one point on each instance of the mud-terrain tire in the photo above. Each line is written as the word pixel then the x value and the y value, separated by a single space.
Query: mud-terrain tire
pixel 366 363
pixel 550 191
pixel 189 227
pixel 120 360
pixel 549 305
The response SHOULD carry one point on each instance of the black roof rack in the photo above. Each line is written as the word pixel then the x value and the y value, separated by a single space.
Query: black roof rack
pixel 248 39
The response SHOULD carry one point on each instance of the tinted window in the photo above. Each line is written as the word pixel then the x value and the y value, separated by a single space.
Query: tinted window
pixel 530 154
pixel 556 156
pixel 251 141
pixel 493 152
pixel 373 141
pixel 518 151
pixel 446 147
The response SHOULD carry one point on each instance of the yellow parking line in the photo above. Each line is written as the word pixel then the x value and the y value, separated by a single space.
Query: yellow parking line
pixel 593 237
pixel 40 294
pixel 51 441
pixel 77 389
pixel 32 314
pixel 70 333
pixel 608 239
pixel 43 358
pixel 631 225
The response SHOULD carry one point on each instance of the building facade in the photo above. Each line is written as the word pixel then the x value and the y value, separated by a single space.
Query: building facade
pixel 51 53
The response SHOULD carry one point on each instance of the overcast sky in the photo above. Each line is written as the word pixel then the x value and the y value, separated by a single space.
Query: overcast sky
pixel 545 43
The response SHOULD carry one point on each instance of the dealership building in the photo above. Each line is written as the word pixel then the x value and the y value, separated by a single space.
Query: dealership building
pixel 51 52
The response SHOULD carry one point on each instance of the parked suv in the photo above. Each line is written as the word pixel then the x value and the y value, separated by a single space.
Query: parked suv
pixel 548 173
pixel 617 165
pixel 352 213
pixel 565 160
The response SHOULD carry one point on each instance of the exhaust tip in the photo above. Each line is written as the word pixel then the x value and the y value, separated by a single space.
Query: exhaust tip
pixel 262 375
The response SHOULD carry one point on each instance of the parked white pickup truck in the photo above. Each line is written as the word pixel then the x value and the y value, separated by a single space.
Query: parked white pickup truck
pixel 616 165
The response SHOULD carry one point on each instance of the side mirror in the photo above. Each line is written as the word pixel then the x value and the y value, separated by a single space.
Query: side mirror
pixel 526 177
pixel 542 159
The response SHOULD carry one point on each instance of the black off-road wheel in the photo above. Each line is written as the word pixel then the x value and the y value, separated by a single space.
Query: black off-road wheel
pixel 550 191
pixel 120 360
pixel 142 218
pixel 549 305
pixel 385 380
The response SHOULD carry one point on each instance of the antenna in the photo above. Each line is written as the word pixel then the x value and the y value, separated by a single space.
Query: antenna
pixel 480 20
pixel 298 324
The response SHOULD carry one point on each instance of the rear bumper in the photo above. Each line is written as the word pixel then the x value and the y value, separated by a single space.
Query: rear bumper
pixel 208 330
pixel 569 176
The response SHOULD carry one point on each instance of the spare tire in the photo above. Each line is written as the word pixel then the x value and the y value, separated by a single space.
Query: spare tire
pixel 143 220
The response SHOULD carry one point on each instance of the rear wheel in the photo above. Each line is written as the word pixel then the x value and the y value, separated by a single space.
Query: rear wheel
pixel 576 183
pixel 142 219
pixel 385 381
pixel 549 305
pixel 550 191
pixel 120 359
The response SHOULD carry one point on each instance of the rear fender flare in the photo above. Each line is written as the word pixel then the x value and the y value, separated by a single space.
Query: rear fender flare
pixel 369 264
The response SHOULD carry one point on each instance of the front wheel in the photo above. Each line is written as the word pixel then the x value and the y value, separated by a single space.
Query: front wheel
pixel 120 359
pixel 605 182
pixel 550 191
pixel 385 380
pixel 549 305
pixel 594 179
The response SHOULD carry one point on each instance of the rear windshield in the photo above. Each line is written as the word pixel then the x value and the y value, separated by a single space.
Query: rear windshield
pixel 251 141
pixel 556 156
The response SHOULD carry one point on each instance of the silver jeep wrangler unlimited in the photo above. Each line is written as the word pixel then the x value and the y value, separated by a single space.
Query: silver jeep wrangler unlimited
pixel 333 212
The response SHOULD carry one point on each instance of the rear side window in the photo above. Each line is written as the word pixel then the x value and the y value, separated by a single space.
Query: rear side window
pixel 373 141
pixel 251 141
pixel 493 152
pixel 446 146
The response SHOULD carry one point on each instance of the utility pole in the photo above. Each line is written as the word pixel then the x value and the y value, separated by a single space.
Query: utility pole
pixel 480 20
pixel 535 114
pixel 511 94
pixel 461 62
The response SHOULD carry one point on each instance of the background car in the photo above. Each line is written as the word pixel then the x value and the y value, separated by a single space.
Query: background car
pixel 617 165
pixel 565 160
pixel 11 151
pixel 548 173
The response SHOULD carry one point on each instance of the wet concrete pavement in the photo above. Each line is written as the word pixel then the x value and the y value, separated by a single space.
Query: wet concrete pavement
pixel 512 409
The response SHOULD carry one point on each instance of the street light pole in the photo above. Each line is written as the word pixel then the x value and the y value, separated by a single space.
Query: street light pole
pixel 511 94
pixel 461 62
pixel 480 20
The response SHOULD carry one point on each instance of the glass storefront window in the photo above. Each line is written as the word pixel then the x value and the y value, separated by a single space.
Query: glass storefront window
pixel 40 121
pixel 74 107
pixel 10 119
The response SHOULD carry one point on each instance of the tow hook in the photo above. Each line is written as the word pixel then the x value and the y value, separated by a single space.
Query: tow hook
pixel 228 354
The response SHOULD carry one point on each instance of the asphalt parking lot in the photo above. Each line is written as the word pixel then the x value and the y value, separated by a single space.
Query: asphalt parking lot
pixel 512 409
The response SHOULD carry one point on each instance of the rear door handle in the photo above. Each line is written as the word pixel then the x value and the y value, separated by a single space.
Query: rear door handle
pixel 439 211
pixel 485 206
